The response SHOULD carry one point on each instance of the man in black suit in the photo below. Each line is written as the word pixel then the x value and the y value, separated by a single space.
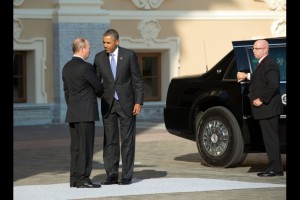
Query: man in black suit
pixel 266 104
pixel 81 85
pixel 122 100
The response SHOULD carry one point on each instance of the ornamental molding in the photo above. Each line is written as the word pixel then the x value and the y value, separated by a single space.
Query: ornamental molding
pixel 147 4
pixel 278 28
pixel 149 29
pixel 18 28
pixel 79 4
pixel 18 2
pixel 276 5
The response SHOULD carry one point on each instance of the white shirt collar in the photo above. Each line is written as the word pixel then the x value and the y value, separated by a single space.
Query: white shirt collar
pixel 78 56
pixel 116 52
pixel 261 58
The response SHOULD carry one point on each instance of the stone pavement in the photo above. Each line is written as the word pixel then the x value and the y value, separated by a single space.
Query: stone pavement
pixel 166 167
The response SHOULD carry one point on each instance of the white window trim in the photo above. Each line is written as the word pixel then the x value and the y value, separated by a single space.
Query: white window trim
pixel 37 79
pixel 170 60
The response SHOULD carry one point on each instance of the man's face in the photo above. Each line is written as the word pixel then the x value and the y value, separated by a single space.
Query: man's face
pixel 110 43
pixel 259 49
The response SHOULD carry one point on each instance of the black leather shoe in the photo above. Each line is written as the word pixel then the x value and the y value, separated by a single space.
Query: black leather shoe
pixel 125 181
pixel 89 185
pixel 73 184
pixel 110 181
pixel 269 173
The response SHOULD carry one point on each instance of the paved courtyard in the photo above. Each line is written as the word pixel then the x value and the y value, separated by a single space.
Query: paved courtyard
pixel 166 167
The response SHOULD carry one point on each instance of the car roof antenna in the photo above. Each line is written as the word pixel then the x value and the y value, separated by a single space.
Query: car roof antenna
pixel 205 56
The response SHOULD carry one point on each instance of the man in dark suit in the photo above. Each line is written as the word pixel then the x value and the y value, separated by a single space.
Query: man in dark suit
pixel 266 104
pixel 81 85
pixel 122 100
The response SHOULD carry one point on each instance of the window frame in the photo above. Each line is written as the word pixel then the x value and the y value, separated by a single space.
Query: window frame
pixel 141 56
pixel 22 89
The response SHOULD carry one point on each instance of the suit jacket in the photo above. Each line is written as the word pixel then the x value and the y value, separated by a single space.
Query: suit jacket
pixel 264 84
pixel 80 87
pixel 128 84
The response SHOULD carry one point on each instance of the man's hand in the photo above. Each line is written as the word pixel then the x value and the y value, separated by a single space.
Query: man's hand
pixel 137 109
pixel 257 102
pixel 241 76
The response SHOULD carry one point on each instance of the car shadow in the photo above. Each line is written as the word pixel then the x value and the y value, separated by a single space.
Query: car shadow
pixel 256 161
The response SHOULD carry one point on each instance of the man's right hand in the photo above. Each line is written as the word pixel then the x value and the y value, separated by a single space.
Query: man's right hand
pixel 241 76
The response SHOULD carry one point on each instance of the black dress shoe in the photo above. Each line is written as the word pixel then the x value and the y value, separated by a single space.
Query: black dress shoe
pixel 89 185
pixel 73 184
pixel 269 173
pixel 125 181
pixel 110 181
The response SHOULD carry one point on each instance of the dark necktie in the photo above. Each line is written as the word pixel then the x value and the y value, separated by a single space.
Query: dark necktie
pixel 113 65
pixel 257 65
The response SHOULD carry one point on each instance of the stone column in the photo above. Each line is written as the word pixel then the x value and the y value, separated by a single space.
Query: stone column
pixel 72 19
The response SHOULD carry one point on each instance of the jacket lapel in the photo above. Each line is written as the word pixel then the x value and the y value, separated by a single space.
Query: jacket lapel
pixel 119 62
pixel 107 63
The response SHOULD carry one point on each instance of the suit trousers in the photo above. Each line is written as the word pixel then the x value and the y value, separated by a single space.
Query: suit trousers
pixel 269 129
pixel 116 125
pixel 82 149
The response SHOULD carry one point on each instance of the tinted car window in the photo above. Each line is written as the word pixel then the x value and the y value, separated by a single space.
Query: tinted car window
pixel 280 56
pixel 231 72
pixel 278 53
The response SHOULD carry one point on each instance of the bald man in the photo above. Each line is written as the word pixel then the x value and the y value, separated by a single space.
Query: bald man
pixel 266 104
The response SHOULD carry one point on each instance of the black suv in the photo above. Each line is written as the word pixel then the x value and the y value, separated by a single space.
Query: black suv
pixel 213 109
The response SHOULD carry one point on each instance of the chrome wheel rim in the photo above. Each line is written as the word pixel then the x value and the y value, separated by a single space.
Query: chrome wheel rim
pixel 215 138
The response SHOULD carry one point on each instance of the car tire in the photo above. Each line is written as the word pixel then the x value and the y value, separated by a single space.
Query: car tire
pixel 219 139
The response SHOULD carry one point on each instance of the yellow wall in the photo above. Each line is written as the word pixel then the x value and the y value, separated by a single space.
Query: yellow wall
pixel 204 37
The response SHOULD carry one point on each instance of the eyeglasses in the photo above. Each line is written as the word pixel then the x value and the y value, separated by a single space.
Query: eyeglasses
pixel 257 48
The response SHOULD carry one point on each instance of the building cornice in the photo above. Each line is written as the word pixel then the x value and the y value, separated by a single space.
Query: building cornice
pixel 196 15
pixel 33 13
pixel 158 15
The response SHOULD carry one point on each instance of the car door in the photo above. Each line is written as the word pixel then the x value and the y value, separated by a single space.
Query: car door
pixel 246 62
pixel 278 53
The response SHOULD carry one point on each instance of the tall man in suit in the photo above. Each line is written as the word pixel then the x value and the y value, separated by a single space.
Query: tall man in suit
pixel 81 85
pixel 266 104
pixel 122 100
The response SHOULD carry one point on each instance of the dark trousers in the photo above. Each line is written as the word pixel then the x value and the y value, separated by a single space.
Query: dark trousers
pixel 82 148
pixel 116 125
pixel 269 129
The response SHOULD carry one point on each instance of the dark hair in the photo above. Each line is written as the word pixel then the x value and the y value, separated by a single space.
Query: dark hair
pixel 112 32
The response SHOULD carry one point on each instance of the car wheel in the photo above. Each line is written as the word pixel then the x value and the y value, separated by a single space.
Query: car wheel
pixel 219 139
